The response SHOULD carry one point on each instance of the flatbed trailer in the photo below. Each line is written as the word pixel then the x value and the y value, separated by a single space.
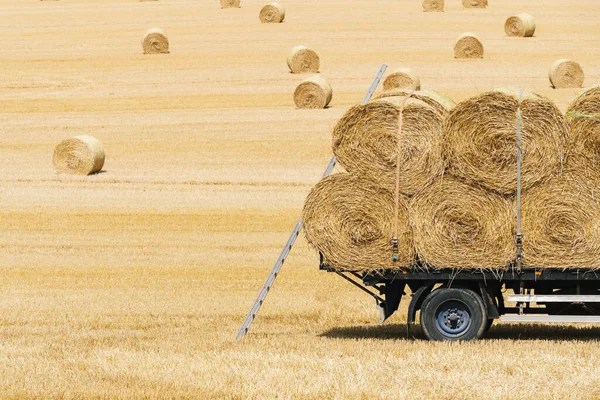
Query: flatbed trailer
pixel 458 304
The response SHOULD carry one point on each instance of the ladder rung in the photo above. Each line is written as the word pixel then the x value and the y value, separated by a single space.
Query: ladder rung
pixel 554 298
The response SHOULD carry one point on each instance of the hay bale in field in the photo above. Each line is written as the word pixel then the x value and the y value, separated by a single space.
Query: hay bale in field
pixel 467 45
pixel 438 101
pixel 230 3
pixel 313 92
pixel 79 155
pixel 350 220
pixel 566 74
pixel 480 140
pixel 433 5
pixel 475 3
pixel 456 225
pixel 402 78
pixel 366 141
pixel 520 25
pixel 272 13
pixel 155 42
pixel 302 59
pixel 561 224
pixel 583 117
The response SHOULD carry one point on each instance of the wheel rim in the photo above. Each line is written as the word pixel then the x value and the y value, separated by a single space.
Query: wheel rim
pixel 453 318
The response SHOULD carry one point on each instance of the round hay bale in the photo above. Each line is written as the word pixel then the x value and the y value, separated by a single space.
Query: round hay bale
pixel 438 101
pixel 366 142
pixel 456 225
pixel 272 13
pixel 520 25
pixel 480 140
pixel 155 42
pixel 402 78
pixel 561 224
pixel 350 221
pixel 313 92
pixel 433 5
pixel 79 155
pixel 475 3
pixel 302 59
pixel 583 117
pixel 566 74
pixel 230 3
pixel 467 45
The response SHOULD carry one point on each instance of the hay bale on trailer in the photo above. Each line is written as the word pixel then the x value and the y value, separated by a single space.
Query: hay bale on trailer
pixel 456 225
pixel 302 59
pixel 583 117
pixel 230 3
pixel 468 45
pixel 433 5
pixel 155 42
pixel 79 155
pixel 438 101
pixel 479 140
pixel 350 220
pixel 402 78
pixel 273 13
pixel 561 224
pixel 520 25
pixel 366 141
pixel 313 92
pixel 566 74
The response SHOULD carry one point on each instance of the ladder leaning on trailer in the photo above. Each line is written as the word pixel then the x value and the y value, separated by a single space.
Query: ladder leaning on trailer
pixel 295 232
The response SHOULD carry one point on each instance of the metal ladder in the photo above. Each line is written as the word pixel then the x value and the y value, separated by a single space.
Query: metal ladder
pixel 295 232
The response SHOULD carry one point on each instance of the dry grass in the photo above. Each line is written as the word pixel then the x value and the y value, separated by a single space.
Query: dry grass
pixel 132 283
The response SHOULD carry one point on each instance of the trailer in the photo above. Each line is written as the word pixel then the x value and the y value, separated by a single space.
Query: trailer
pixel 462 305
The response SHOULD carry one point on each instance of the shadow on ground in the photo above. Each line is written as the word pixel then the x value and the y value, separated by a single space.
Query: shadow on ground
pixel 499 331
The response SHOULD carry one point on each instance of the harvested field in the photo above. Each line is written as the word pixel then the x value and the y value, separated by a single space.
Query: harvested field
pixel 133 282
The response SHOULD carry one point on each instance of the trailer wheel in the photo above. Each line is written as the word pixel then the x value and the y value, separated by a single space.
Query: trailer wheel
pixel 453 314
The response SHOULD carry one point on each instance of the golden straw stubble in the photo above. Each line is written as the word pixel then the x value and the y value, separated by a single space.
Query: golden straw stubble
pixel 79 155
pixel 433 5
pixel 350 220
pixel 272 13
pixel 313 92
pixel 456 225
pixel 302 59
pixel 520 25
pixel 402 78
pixel 583 117
pixel 155 42
pixel 566 74
pixel 480 140
pixel 468 45
pixel 561 224
pixel 366 141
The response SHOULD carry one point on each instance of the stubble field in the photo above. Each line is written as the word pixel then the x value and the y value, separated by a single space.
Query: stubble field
pixel 133 282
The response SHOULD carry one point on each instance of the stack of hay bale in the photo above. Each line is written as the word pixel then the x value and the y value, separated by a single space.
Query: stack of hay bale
pixel 444 184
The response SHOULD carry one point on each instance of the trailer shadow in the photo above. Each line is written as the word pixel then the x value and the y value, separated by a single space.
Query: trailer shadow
pixel 497 332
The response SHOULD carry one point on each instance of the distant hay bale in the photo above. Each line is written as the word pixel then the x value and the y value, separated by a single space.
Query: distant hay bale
pixel 272 13
pixel 366 142
pixel 467 45
pixel 433 5
pixel 350 220
pixel 561 224
pixel 520 25
pixel 79 155
pixel 230 3
pixel 402 78
pixel 155 42
pixel 480 140
pixel 438 101
pixel 456 225
pixel 583 117
pixel 313 92
pixel 302 59
pixel 566 74
pixel 475 3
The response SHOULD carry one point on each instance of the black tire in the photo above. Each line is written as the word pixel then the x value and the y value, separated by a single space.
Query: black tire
pixel 453 314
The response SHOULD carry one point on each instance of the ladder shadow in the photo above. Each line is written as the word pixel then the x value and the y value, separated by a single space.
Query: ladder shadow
pixel 497 332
